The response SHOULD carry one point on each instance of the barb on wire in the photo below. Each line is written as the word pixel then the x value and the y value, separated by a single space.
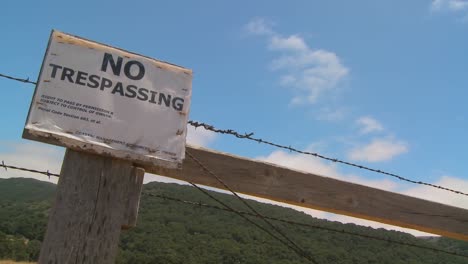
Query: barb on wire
pixel 341 231
pixel 304 254
pixel 47 173
pixel 17 79
pixel 249 136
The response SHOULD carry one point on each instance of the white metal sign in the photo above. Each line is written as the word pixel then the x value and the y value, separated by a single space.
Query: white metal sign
pixel 97 98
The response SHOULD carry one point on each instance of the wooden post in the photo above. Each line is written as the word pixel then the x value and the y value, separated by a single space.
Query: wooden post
pixel 96 197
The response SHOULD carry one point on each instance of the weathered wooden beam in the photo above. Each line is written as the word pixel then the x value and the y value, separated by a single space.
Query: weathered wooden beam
pixel 312 191
pixel 96 196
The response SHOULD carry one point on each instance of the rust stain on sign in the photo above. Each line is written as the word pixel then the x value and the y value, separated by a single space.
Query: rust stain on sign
pixel 73 40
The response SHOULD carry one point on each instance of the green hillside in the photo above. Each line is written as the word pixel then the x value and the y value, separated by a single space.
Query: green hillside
pixel 174 232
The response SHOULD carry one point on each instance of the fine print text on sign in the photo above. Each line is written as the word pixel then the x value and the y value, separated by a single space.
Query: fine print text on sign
pixel 101 99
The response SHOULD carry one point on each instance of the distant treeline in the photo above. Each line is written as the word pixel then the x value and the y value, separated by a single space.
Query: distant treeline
pixel 172 232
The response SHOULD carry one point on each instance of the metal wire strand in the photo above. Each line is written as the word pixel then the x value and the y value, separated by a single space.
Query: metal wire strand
pixel 297 250
pixel 249 136
pixel 47 173
pixel 243 214
pixel 245 202
pixel 17 79
pixel 340 231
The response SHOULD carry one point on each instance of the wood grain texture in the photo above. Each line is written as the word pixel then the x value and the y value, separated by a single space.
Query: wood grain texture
pixel 312 191
pixel 90 207
pixel 133 199
pixel 316 192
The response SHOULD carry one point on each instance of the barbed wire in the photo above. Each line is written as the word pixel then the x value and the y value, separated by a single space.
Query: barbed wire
pixel 230 209
pixel 294 246
pixel 340 231
pixel 249 136
pixel 47 173
pixel 298 250
pixel 17 79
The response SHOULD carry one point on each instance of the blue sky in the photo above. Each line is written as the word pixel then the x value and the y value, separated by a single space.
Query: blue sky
pixel 381 83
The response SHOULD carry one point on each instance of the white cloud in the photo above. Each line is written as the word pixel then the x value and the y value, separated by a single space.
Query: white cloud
pixel 331 115
pixel 200 136
pixel 301 163
pixel 311 73
pixel 441 196
pixel 259 26
pixel 368 124
pixel 449 5
pixel 291 43
pixel 383 149
pixel 304 59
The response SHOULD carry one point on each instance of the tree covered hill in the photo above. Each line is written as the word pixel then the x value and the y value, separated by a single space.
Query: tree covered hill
pixel 174 232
